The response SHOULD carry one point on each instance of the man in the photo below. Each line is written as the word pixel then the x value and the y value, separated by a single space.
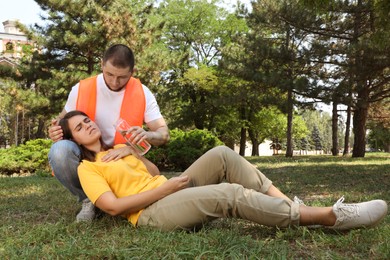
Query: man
pixel 106 97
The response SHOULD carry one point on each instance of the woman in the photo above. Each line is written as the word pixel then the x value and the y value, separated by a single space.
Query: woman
pixel 219 184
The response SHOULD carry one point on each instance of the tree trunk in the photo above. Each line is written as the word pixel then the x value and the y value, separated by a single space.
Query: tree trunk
pixel 255 143
pixel 290 107
pixel 347 131
pixel 387 148
pixel 230 144
pixel 255 148
pixel 242 141
pixel 335 117
pixel 359 130
pixel 40 133
pixel 243 131
pixel 361 110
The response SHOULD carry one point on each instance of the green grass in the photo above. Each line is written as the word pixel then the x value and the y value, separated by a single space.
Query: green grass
pixel 37 219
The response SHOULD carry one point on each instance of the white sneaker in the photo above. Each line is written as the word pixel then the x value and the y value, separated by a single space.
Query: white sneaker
pixel 87 212
pixel 298 200
pixel 365 214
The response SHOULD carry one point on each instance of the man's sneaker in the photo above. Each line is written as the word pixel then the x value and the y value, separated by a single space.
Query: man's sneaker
pixel 365 214
pixel 87 212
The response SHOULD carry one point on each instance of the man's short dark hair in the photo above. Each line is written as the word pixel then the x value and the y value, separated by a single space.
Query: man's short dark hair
pixel 120 56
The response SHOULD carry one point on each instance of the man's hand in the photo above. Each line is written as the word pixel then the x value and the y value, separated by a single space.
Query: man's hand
pixel 55 131
pixel 138 134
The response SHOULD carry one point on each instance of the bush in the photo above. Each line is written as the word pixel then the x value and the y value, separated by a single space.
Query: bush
pixel 183 149
pixel 25 158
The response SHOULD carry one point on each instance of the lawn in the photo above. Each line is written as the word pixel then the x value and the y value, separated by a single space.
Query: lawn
pixel 37 219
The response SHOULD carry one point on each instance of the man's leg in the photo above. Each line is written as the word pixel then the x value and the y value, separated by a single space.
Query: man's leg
pixel 64 158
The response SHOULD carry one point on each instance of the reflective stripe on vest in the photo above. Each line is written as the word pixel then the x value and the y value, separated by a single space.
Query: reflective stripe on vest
pixel 132 108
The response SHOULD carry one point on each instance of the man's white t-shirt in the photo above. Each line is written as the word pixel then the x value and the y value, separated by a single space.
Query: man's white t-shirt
pixel 108 107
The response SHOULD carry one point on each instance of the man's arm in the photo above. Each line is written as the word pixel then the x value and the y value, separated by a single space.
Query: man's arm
pixel 158 133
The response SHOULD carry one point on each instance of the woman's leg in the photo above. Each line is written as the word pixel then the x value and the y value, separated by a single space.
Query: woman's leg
pixel 222 163
pixel 190 208
pixel 275 192
pixel 316 216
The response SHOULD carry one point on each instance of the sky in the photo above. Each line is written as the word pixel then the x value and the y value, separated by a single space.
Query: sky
pixel 27 11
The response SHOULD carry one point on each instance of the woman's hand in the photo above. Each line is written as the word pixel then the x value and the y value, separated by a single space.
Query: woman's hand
pixel 175 184
pixel 116 154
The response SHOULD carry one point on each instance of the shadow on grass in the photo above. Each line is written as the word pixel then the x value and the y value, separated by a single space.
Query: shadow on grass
pixel 313 177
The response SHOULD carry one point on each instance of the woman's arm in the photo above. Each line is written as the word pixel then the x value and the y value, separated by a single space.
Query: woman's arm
pixel 151 167
pixel 114 206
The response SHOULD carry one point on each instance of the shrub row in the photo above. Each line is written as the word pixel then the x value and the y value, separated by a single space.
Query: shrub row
pixel 182 150
pixel 26 158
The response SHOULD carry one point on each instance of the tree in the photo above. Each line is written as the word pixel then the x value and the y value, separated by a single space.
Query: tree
pixel 318 123
pixel 269 122
pixel 73 38
pixel 287 68
pixel 379 126
pixel 272 125
pixel 316 139
pixel 20 113
pixel 355 35
pixel 195 32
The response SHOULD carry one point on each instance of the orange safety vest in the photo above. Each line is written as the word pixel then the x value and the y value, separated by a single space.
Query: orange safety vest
pixel 132 108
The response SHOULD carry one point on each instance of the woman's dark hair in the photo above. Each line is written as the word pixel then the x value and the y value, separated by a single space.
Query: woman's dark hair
pixel 64 123
pixel 120 56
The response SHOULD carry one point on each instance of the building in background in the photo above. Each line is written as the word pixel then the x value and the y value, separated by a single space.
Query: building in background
pixel 13 43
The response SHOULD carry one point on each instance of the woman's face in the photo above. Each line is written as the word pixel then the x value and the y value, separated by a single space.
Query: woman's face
pixel 84 130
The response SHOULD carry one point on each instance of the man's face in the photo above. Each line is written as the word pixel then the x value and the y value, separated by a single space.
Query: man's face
pixel 116 78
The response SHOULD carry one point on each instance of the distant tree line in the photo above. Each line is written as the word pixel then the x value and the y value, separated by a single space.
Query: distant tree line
pixel 244 75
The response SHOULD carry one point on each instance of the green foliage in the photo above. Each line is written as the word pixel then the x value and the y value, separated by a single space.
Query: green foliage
pixel 26 158
pixel 270 123
pixel 183 149
pixel 319 124
pixel 379 138
pixel 196 32
pixel 19 109
pixel 316 139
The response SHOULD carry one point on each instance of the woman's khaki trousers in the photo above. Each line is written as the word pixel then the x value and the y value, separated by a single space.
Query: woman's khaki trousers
pixel 223 184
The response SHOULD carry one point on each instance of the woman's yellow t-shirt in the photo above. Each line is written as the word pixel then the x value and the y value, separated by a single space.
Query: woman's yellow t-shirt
pixel 125 177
